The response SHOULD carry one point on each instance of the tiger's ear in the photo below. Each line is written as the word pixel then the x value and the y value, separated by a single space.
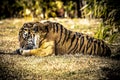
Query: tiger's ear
pixel 43 27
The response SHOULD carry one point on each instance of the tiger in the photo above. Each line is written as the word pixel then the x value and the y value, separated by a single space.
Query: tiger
pixel 48 38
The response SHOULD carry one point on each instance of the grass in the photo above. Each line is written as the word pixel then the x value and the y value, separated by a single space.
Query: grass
pixel 66 67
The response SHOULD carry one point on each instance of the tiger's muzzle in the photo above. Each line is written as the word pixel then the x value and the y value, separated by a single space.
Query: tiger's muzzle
pixel 30 44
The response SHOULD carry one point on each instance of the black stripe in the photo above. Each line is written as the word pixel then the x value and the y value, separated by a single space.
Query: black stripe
pixel 89 42
pixel 61 31
pixel 102 47
pixel 87 37
pixel 57 27
pixel 68 37
pixel 65 30
pixel 95 48
pixel 75 47
pixel 53 26
pixel 83 50
pixel 72 40
pixel 43 39
pixel 81 42
pixel 91 50
pixel 89 45
pixel 99 47
pixel 99 43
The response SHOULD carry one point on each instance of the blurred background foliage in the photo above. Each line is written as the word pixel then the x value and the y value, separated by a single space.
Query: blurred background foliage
pixel 107 10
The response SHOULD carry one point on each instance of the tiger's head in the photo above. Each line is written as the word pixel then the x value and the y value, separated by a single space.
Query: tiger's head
pixel 30 35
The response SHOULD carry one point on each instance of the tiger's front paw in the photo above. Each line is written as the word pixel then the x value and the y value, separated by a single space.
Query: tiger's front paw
pixel 26 53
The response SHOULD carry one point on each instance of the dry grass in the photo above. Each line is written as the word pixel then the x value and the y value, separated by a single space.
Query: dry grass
pixel 67 67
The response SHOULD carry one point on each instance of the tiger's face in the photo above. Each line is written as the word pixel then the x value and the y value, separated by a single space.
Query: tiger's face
pixel 31 34
pixel 28 36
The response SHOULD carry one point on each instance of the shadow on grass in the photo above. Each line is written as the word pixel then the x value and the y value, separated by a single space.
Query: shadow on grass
pixel 10 70
pixel 7 53
pixel 111 73
pixel 116 57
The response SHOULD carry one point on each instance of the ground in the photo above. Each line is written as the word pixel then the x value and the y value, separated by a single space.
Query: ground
pixel 66 67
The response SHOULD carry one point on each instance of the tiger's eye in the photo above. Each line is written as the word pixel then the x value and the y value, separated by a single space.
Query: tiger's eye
pixel 25 35
pixel 35 29
pixel 25 29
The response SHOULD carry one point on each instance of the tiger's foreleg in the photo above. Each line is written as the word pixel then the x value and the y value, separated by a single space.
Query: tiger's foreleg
pixel 46 49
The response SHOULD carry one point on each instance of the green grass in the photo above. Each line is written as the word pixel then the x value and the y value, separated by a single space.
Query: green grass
pixel 66 67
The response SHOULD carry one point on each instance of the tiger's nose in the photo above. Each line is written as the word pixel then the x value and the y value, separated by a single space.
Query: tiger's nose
pixel 30 41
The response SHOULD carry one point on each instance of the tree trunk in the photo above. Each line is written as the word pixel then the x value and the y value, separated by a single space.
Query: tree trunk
pixel 79 5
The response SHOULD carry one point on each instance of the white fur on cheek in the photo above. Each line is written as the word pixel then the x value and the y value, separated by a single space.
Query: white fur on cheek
pixel 25 34
pixel 36 40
